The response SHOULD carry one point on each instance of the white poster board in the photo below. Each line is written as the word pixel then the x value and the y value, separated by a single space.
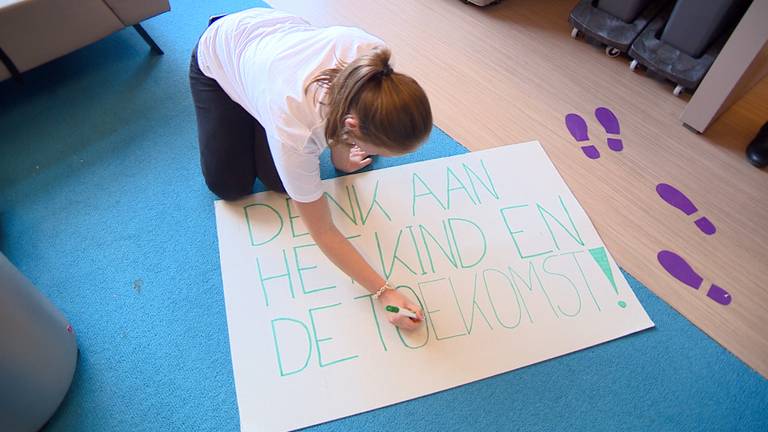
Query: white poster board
pixel 494 246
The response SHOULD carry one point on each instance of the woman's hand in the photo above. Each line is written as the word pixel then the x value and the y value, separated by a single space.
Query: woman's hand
pixel 335 246
pixel 394 298
pixel 349 158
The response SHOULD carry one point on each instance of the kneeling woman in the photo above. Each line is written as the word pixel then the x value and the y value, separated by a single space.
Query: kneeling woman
pixel 271 92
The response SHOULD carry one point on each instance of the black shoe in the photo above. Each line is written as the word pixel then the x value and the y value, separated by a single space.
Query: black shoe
pixel 757 151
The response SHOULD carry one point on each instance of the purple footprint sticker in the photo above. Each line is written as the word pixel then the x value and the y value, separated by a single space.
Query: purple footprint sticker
pixel 677 199
pixel 675 265
pixel 610 123
pixel 578 129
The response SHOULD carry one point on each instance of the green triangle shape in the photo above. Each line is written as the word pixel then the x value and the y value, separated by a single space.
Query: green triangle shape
pixel 601 257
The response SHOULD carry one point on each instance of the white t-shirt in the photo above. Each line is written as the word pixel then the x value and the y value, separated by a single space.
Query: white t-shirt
pixel 264 59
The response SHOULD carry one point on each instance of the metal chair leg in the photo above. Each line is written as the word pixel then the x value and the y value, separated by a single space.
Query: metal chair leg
pixel 10 66
pixel 144 35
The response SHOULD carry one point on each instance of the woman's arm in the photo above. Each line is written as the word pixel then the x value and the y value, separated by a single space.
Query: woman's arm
pixel 319 223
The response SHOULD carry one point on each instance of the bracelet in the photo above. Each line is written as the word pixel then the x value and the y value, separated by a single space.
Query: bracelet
pixel 381 290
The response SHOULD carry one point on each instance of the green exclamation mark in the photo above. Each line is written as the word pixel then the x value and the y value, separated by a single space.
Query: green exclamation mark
pixel 601 257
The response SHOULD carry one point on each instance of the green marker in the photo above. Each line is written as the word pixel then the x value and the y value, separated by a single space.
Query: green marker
pixel 403 312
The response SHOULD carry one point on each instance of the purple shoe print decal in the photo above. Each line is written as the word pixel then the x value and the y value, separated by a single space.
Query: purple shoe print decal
pixel 578 129
pixel 676 266
pixel 610 123
pixel 677 199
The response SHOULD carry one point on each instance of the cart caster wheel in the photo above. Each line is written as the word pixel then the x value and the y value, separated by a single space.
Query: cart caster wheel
pixel 612 52
pixel 574 33
pixel 678 90
pixel 633 65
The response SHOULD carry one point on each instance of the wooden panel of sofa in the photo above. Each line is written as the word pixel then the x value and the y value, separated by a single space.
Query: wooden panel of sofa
pixel 131 12
pixel 33 32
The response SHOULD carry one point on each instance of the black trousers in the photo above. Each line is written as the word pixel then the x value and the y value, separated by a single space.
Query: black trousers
pixel 233 145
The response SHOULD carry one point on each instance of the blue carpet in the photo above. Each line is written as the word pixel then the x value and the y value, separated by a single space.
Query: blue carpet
pixel 103 207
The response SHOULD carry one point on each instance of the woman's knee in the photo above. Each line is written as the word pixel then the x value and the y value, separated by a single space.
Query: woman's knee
pixel 229 190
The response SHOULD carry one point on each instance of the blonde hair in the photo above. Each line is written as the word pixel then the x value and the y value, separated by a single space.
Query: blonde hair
pixel 392 109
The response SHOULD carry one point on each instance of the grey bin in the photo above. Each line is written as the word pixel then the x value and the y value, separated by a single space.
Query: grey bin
pixel 38 353
pixel 627 10
pixel 694 24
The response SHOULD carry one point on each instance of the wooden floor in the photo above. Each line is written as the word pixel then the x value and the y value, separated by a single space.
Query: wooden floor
pixel 509 73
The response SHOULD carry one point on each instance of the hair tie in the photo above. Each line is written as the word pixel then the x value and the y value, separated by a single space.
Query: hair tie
pixel 386 71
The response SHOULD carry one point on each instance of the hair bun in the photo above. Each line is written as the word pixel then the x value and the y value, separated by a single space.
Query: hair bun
pixel 380 62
